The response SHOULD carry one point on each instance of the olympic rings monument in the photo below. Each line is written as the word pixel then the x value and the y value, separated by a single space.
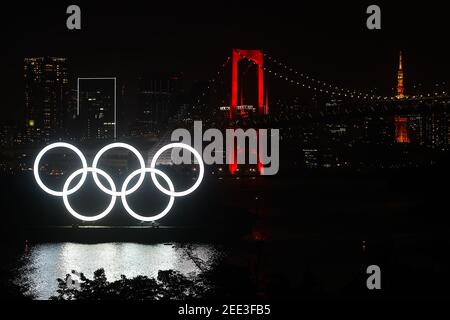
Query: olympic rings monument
pixel 123 192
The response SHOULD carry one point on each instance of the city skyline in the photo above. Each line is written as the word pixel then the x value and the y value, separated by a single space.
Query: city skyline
pixel 333 143
pixel 316 138
pixel 160 96
pixel 330 47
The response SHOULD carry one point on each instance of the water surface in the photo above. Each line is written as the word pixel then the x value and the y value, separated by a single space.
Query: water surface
pixel 44 263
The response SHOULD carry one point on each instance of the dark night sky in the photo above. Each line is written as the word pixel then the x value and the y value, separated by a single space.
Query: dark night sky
pixel 124 39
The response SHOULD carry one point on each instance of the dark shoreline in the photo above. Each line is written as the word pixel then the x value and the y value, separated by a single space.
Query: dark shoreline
pixel 144 234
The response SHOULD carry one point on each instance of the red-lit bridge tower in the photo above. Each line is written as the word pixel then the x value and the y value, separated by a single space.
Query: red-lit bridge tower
pixel 257 57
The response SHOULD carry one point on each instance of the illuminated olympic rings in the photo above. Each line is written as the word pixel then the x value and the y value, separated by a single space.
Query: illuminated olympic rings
pixel 113 192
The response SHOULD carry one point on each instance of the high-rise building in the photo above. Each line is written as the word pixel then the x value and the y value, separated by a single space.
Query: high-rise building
pixel 416 129
pixel 437 130
pixel 46 90
pixel 97 109
pixel 157 100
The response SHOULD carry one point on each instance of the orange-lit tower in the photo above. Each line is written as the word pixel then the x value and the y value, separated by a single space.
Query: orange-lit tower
pixel 400 88
pixel 401 130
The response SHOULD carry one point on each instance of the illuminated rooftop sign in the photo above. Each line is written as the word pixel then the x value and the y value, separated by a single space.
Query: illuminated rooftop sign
pixel 243 107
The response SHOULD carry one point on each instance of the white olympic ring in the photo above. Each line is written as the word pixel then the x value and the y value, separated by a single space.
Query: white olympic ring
pixel 124 195
pixel 113 191
pixel 41 154
pixel 118 145
pixel 66 200
pixel 200 163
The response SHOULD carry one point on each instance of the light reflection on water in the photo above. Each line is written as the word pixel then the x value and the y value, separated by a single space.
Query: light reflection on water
pixel 45 263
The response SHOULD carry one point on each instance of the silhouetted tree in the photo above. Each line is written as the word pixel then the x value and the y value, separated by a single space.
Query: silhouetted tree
pixel 169 284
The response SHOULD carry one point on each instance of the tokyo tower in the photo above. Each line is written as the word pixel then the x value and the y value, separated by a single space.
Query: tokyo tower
pixel 400 88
